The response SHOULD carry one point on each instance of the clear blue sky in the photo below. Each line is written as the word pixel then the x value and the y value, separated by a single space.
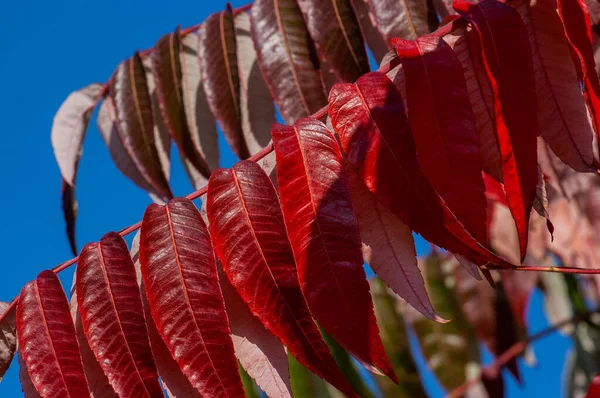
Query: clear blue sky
pixel 50 48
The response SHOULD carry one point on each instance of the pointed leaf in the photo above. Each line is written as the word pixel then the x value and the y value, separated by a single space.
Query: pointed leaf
pixel 107 288
pixel 69 127
pixel 563 117
pixel 373 37
pixel 325 238
pixel 576 22
pixel 220 76
pixel 201 123
pixel 481 98
pixel 135 124
pixel 339 41
pixel 69 208
pixel 403 19
pixel 369 119
pixel 166 68
pixel 47 339
pixel 27 386
pixel 8 337
pixel 388 247
pixel 181 283
pixel 444 131
pixel 97 380
pixel 245 218
pixel 258 351
pixel 503 40
pixel 256 104
pixel 287 58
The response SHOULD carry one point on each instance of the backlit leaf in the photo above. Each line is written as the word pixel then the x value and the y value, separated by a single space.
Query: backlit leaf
pixel 134 125
pixel 27 386
pixel 444 130
pixel 292 74
pixel 369 118
pixel 47 339
pixel 325 238
pixel 166 68
pixel 220 76
pixel 338 38
pixel 107 288
pixel 502 38
pixel 247 227
pixel 181 283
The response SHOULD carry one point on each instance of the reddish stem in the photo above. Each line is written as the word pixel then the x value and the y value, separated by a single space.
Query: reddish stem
pixel 556 269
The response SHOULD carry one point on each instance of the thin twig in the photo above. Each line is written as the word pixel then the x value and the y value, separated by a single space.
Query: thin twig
pixel 517 349
pixel 555 269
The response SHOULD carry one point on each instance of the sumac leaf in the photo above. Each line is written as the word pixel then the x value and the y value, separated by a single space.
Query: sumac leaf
pixel 112 315
pixel 406 20
pixel 69 208
pixel 324 233
pixel 166 68
pixel 334 27
pixel 292 74
pixel 256 104
pixel 8 337
pixel 47 339
pixel 369 119
pixel 181 283
pixel 135 123
pixel 69 127
pixel 27 386
pixel 201 123
pixel 562 114
pixel 389 248
pixel 576 21
pixel 220 76
pixel 373 37
pixel 501 36
pixel 247 227
pixel 444 131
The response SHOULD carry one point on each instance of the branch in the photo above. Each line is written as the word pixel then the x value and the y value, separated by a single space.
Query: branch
pixel 517 349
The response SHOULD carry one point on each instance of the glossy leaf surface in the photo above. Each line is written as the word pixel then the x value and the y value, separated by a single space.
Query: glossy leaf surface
pixel 325 238
pixel 112 315
pixel 47 339
pixel 250 240
pixel 181 283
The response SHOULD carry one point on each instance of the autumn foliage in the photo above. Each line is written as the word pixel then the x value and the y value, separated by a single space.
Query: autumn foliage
pixel 479 133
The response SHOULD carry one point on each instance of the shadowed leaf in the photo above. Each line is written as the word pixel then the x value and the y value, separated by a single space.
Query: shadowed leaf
pixel 8 338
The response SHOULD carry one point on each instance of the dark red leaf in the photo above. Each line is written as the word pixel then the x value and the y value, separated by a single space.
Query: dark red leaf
pixel 500 35
pixel 576 21
pixel 369 118
pixel 47 339
pixel 334 28
pixel 166 68
pixel 493 383
pixel 403 19
pixel 506 331
pixel 69 207
pixel 109 301
pixel 373 37
pixel 135 124
pixel 325 238
pixel 250 240
pixel 594 388
pixel 287 57
pixel 444 130
pixel 217 49
pixel 182 286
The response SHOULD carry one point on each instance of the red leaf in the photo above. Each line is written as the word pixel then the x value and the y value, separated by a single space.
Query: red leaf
pixel 47 339
pixel 372 35
pixel 562 114
pixel 287 57
pixel 250 240
pixel 500 35
pixel 181 283
pixel 110 305
pixel 576 21
pixel 220 76
pixel 135 123
pixel 404 19
pixel 369 118
pixel 325 238
pixel 444 130
pixel 338 37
